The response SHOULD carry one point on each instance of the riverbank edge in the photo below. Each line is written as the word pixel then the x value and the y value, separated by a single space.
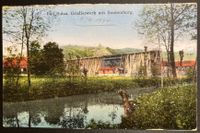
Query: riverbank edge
pixel 52 88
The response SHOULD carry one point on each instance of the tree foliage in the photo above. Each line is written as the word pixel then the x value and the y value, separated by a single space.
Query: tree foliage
pixel 166 24
pixel 155 21
pixel 22 25
pixel 167 108
pixel 53 58
pixel 36 61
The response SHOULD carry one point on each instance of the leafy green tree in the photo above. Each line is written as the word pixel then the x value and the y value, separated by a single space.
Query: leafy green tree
pixel 36 61
pixel 53 58
pixel 23 24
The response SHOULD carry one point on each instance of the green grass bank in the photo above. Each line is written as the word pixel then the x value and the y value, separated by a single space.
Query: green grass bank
pixel 48 87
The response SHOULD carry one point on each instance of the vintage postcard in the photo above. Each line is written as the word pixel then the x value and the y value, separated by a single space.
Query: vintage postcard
pixel 100 66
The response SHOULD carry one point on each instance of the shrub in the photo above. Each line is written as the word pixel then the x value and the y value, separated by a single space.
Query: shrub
pixel 100 125
pixel 191 74
pixel 168 108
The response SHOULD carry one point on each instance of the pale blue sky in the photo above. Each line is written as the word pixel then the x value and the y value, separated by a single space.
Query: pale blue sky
pixel 115 31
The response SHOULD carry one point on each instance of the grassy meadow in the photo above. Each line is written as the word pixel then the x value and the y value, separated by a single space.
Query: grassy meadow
pixel 49 87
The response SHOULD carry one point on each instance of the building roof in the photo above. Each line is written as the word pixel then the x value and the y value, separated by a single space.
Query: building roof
pixel 115 55
pixel 15 62
pixel 188 63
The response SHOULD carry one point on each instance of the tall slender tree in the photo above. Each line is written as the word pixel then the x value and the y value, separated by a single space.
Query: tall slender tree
pixel 165 24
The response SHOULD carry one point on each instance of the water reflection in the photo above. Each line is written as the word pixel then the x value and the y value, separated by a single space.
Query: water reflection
pixel 68 112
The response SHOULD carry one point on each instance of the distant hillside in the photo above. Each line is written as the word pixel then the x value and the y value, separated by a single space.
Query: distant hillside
pixel 83 51
pixel 124 50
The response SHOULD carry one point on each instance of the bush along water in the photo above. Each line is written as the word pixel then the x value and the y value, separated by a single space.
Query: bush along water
pixel 167 108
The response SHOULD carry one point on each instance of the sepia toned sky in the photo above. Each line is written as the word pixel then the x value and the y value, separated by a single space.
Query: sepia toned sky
pixel 110 30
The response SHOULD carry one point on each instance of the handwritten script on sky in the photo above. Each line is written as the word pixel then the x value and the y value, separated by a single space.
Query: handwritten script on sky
pixel 111 25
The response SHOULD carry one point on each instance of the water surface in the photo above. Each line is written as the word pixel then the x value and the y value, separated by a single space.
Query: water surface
pixel 67 112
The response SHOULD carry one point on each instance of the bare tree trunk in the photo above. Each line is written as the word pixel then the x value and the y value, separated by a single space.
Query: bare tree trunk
pixel 17 82
pixel 172 59
pixel 28 64
pixel 27 36
pixel 168 63
pixel 17 120
pixel 29 120
pixel 194 71
pixel 145 64
pixel 168 59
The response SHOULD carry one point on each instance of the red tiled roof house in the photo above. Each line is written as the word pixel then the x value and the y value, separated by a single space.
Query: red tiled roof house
pixel 9 62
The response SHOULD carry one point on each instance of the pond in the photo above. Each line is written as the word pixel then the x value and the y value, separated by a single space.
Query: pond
pixel 67 112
